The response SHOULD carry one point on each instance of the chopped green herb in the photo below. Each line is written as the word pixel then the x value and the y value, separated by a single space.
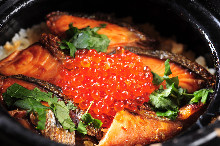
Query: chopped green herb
pixel 30 100
pixel 159 99
pixel 61 112
pixel 166 102
pixel 167 68
pixel 85 38
pixel 31 105
pixel 87 120
pixel 82 128
pixel 157 80
pixel 171 114
pixel 71 106
pixel 201 95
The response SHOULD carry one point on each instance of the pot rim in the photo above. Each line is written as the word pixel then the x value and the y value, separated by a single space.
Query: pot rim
pixel 184 9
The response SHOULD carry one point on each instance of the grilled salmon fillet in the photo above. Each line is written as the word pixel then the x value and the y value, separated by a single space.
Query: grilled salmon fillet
pixel 35 61
pixel 145 127
pixel 187 80
pixel 129 129
pixel 52 129
pixel 58 23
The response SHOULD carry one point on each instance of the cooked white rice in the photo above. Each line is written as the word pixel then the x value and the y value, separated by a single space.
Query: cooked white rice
pixel 26 37
pixel 23 39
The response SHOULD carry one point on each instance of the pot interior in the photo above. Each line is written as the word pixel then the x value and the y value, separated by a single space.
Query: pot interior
pixel 166 19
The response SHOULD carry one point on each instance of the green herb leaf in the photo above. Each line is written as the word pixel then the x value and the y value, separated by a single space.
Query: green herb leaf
pixel 89 120
pixel 30 100
pixel 201 95
pixel 97 123
pixel 171 114
pixel 166 102
pixel 167 68
pixel 157 80
pixel 71 106
pixel 170 81
pixel 61 112
pixel 159 99
pixel 85 38
pixel 82 128
pixel 31 105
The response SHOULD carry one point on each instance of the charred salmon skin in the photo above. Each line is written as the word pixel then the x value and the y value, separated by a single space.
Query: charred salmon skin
pixel 58 23
pixel 192 76
pixel 52 129
pixel 35 61
pixel 145 127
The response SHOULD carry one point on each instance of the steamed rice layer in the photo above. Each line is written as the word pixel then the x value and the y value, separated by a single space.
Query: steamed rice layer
pixel 23 39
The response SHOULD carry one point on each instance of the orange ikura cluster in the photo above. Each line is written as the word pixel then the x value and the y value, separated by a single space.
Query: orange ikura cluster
pixel 112 82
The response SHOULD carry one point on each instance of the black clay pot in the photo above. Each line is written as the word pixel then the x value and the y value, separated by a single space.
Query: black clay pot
pixel 194 23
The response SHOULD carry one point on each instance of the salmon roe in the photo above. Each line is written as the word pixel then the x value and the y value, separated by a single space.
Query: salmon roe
pixel 112 82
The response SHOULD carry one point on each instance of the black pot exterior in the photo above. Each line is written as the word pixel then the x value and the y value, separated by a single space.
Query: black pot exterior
pixel 194 23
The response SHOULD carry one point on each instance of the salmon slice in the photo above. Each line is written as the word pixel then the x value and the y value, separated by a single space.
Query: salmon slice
pixel 191 75
pixel 146 128
pixel 187 80
pixel 129 129
pixel 35 61
pixel 58 23
pixel 52 129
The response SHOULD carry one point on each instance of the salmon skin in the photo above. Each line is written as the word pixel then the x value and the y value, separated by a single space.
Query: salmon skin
pixel 192 76
pixel 119 35
pixel 35 61
pixel 52 129
pixel 144 127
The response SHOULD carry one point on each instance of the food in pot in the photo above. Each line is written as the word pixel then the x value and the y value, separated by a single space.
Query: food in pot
pixel 92 81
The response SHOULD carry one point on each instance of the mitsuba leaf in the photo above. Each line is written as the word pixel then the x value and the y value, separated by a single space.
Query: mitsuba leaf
pixel 201 95
pixel 42 117
pixel 171 114
pixel 97 123
pixel 167 68
pixel 82 40
pixel 166 102
pixel 87 119
pixel 31 105
pixel 72 48
pixel 157 80
pixel 61 112
pixel 170 81
pixel 30 100
pixel 71 106
pixel 85 38
pixel 159 99
pixel 82 128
